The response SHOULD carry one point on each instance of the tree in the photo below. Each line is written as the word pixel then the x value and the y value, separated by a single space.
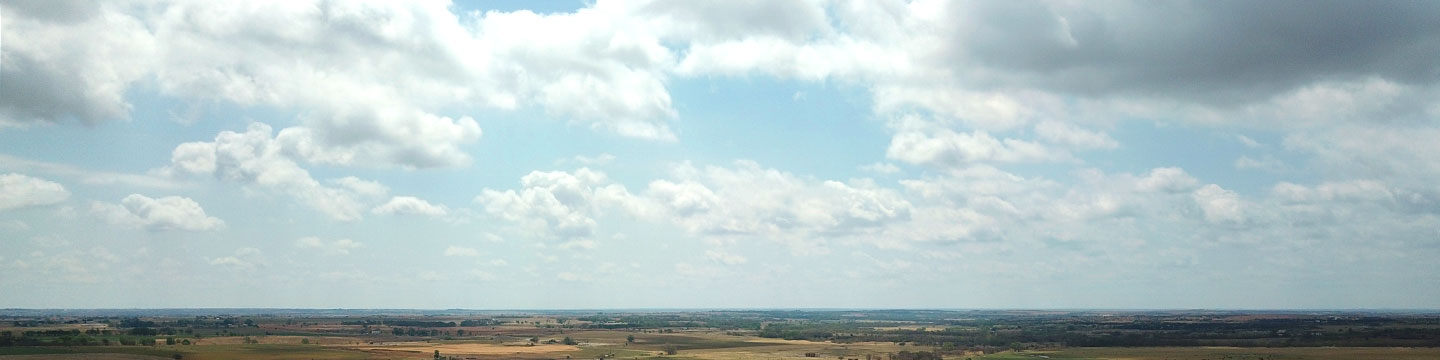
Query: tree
pixel 437 354
pixel 169 341
pixel 671 350
pixel 568 341
pixel 177 356
pixel 534 339
pixel 460 332
pixel 630 339
pixel 305 341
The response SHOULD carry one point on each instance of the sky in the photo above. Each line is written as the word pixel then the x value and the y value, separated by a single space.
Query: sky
pixel 720 154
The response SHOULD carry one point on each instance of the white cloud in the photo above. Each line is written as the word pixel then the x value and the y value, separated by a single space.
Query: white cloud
pixel 244 259
pixel 17 191
pixel 717 203
pixel 256 158
pixel 1167 179
pixel 157 214
pixel 1068 134
pixel 461 251
pixel 332 247
pixel 947 148
pixel 401 205
pixel 684 198
pixel 982 203
pixel 85 79
pixel 556 204
pixel 364 188
pixel 749 201
pixel 1399 153
pixel 365 110
pixel 1344 191
pixel 1250 143
pixel 1220 205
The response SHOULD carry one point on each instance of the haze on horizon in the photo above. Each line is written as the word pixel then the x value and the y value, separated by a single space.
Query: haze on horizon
pixel 720 154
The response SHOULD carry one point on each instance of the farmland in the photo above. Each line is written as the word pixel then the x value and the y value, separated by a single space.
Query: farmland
pixel 751 334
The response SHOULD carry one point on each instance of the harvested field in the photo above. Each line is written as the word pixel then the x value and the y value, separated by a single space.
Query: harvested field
pixel 82 357
pixel 280 339
pixel 470 348
pixel 1226 353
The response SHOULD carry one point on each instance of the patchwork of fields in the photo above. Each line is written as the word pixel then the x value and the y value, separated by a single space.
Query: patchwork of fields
pixel 716 336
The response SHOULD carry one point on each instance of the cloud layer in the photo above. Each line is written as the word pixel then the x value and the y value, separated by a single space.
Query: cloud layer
pixel 1172 152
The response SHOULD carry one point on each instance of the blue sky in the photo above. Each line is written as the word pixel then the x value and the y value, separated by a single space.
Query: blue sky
pixel 729 154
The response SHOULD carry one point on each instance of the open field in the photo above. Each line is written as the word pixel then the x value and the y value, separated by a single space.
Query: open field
pixel 721 335
pixel 1225 353
pixel 468 348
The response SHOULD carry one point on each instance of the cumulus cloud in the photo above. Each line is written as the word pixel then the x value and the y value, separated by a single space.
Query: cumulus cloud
pixel 555 204
pixel 359 109
pixel 1220 205
pixel 84 81
pixel 744 201
pixel 409 205
pixel 1071 135
pixel 946 147
pixel 255 158
pixel 750 201
pixel 17 191
pixel 1167 179
pixel 332 247
pixel 157 214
